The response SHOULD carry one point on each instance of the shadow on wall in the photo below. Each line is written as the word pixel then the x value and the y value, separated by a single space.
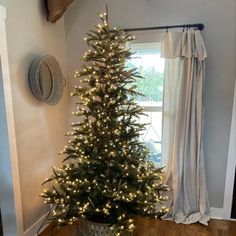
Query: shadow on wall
pixel 1 232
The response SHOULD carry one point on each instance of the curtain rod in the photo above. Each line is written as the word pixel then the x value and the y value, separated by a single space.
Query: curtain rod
pixel 199 26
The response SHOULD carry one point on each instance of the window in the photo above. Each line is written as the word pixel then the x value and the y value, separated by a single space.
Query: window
pixel 151 66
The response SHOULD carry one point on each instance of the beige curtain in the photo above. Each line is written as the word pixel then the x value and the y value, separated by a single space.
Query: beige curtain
pixel 183 126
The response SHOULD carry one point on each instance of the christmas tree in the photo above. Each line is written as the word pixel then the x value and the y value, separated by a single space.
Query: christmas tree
pixel 106 176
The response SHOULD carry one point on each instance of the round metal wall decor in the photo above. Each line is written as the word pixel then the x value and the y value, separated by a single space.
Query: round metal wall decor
pixel 46 80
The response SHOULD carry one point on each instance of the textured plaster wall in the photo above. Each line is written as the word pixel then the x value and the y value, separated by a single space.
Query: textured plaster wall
pixel 40 128
pixel 219 19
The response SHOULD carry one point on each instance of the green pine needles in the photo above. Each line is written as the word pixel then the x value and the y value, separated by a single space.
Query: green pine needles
pixel 106 176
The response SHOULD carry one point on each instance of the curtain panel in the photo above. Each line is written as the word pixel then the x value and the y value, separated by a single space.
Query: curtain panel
pixel 185 56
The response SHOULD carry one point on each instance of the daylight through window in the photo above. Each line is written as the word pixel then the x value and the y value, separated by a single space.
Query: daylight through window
pixel 148 61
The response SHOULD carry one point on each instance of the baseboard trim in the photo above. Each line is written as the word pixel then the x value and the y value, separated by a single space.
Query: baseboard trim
pixel 216 213
pixel 220 213
pixel 33 230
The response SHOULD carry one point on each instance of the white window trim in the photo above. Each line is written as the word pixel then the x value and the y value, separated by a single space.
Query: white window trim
pixel 12 206
pixel 152 108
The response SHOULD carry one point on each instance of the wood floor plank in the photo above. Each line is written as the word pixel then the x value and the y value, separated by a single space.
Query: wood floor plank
pixel 150 227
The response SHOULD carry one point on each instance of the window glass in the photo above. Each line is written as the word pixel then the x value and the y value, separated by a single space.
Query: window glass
pixel 151 66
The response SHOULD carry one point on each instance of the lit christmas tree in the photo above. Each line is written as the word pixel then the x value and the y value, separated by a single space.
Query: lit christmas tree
pixel 107 177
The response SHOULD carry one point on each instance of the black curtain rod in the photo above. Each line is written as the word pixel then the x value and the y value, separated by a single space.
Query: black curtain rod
pixel 199 26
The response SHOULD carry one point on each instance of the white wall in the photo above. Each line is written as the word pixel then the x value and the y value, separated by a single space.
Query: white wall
pixel 40 128
pixel 219 19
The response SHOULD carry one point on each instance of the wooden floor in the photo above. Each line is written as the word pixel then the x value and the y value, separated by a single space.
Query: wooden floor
pixel 162 228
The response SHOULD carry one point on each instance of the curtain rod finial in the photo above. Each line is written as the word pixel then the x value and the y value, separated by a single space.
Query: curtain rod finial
pixel 201 27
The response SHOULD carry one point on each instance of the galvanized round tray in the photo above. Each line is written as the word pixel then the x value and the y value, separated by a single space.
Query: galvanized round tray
pixel 46 80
